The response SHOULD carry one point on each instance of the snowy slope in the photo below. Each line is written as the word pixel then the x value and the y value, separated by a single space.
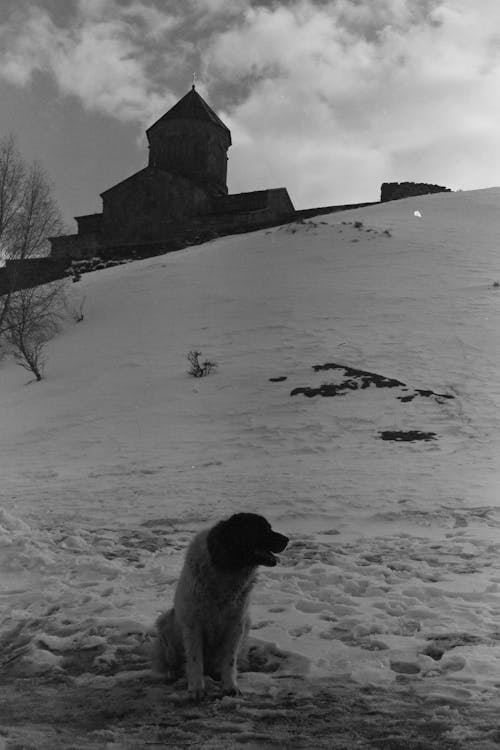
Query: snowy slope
pixel 112 462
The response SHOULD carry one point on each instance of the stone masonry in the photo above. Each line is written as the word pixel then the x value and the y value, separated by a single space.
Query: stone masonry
pixel 179 196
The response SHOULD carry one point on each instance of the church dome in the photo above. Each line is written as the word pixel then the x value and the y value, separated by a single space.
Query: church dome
pixel 191 107
pixel 192 141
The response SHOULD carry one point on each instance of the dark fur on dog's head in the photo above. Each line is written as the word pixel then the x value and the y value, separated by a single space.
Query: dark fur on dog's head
pixel 244 540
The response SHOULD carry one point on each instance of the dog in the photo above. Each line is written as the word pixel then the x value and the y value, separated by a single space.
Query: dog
pixel 207 625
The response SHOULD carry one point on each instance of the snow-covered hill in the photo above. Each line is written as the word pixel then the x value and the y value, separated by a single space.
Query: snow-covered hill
pixel 111 463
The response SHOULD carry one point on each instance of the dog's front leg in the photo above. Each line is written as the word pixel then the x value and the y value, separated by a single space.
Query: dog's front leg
pixel 193 646
pixel 232 645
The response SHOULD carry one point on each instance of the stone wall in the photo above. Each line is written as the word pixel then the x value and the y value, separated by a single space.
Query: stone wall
pixel 76 246
pixel 22 274
pixel 232 214
pixel 391 191
pixel 145 207
pixel 255 208
pixel 135 221
pixel 257 200
pixel 307 213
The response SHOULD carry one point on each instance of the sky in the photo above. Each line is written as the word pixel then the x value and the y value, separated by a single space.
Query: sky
pixel 328 99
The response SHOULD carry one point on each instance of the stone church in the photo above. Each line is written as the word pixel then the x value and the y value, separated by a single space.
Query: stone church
pixel 182 193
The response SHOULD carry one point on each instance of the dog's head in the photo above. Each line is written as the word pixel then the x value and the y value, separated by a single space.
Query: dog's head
pixel 244 540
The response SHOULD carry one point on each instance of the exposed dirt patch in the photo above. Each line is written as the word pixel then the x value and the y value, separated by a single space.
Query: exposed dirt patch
pixel 353 379
pixel 327 389
pixel 408 436
pixel 366 378
pixel 425 394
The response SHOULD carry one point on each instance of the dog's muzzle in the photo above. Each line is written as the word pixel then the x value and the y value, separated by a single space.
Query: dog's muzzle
pixel 276 543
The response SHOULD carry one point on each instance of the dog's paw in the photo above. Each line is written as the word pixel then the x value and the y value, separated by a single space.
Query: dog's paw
pixel 196 694
pixel 232 690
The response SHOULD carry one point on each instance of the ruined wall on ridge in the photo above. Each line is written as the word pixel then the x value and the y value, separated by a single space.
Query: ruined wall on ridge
pixel 391 191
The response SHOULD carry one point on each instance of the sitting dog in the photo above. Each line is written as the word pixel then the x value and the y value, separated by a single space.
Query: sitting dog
pixel 204 630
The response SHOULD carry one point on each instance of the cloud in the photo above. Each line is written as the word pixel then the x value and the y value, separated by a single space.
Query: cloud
pixel 332 86
pixel 101 57
pixel 327 97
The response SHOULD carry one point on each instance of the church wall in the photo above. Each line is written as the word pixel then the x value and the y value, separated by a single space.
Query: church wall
pixel 144 207
pixel 89 223
pixel 193 148
pixel 253 207
pixel 280 203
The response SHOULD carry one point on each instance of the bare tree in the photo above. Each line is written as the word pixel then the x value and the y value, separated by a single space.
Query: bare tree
pixel 12 175
pixel 33 318
pixel 29 214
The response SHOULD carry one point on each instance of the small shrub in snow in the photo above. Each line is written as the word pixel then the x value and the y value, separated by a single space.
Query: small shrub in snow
pixel 77 312
pixel 199 369
pixel 358 225
pixel 496 284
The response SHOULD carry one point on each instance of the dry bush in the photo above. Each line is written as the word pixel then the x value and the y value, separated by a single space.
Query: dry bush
pixel 199 369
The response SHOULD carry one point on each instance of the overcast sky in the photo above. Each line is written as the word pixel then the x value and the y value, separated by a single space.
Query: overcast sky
pixel 328 99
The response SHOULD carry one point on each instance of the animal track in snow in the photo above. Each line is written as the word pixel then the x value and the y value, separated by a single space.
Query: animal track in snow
pixel 301 630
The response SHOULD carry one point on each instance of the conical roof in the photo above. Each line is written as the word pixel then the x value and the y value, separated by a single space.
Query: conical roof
pixel 191 107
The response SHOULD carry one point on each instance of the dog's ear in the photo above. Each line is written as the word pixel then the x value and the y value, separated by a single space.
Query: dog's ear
pixel 221 547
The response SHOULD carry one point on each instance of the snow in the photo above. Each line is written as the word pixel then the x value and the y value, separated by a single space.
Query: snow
pixel 112 462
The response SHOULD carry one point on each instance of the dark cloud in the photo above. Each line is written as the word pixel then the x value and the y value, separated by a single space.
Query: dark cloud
pixel 326 97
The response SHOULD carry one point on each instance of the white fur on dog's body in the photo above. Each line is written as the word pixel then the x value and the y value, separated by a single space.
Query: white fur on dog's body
pixel 208 622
